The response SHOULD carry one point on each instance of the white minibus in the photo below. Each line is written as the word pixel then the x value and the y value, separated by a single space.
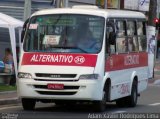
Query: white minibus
pixel 83 54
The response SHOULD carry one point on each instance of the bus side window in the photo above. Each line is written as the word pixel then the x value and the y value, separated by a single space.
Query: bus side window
pixel 141 32
pixel 132 37
pixel 110 37
pixel 121 40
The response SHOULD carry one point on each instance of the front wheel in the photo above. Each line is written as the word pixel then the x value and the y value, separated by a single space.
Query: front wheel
pixel 28 104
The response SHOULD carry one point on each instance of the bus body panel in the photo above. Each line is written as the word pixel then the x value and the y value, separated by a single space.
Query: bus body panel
pixel 122 69
pixel 121 84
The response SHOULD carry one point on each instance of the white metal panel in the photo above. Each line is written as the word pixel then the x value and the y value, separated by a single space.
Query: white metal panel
pixel 98 12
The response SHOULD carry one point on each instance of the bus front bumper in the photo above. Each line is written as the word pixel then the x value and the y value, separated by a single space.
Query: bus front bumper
pixel 85 90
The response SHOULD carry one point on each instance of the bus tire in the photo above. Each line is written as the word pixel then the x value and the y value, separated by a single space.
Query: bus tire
pixel 129 101
pixel 132 99
pixel 100 106
pixel 28 104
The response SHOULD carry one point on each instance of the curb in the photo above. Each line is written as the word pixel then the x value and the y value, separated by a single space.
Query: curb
pixel 151 81
pixel 7 92
pixel 9 101
pixel 157 82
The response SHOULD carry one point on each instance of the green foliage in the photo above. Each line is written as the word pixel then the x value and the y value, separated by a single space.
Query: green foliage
pixel 7 88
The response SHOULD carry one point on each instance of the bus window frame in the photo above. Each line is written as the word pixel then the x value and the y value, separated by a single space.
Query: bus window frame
pixel 135 20
pixel 30 19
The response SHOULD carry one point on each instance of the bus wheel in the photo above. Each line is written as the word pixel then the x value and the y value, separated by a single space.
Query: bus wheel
pixel 129 101
pixel 100 106
pixel 132 99
pixel 28 104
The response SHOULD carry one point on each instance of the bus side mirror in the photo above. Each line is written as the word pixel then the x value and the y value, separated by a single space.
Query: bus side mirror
pixel 22 35
pixel 111 35
pixel 112 38
pixel 24 29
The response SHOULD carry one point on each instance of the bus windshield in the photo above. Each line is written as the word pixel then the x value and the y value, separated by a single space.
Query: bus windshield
pixel 70 33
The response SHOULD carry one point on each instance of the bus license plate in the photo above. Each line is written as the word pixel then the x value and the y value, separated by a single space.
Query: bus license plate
pixel 55 86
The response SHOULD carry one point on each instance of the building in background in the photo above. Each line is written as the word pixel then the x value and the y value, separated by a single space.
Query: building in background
pixel 15 8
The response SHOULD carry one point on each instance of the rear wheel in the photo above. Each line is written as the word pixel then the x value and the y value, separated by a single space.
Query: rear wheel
pixel 129 101
pixel 28 104
pixel 132 99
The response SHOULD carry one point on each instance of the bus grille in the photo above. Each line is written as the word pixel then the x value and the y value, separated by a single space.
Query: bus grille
pixel 72 80
pixel 55 75
pixel 56 93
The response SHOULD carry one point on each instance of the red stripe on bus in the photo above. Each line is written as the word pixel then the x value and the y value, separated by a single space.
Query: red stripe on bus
pixel 59 59
pixel 126 61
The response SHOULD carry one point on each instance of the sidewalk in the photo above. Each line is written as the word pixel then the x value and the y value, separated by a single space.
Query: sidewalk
pixel 156 79
pixel 10 97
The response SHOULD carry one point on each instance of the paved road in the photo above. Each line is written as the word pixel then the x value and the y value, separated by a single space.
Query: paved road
pixel 149 102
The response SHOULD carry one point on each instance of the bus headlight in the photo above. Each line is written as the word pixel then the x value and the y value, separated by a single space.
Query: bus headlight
pixel 89 76
pixel 24 75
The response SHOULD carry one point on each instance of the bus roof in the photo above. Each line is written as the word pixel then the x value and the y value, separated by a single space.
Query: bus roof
pixel 88 10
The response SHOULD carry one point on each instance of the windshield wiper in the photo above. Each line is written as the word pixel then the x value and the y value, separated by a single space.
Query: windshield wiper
pixel 70 47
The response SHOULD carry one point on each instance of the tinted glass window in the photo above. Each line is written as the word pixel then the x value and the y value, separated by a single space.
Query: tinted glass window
pixel 65 33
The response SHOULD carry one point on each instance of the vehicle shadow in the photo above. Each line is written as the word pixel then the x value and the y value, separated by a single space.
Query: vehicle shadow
pixel 75 108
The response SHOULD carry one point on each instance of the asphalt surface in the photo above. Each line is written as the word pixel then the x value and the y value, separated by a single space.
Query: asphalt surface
pixel 148 107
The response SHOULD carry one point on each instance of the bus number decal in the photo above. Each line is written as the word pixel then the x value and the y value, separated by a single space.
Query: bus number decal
pixel 79 59
pixel 124 89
